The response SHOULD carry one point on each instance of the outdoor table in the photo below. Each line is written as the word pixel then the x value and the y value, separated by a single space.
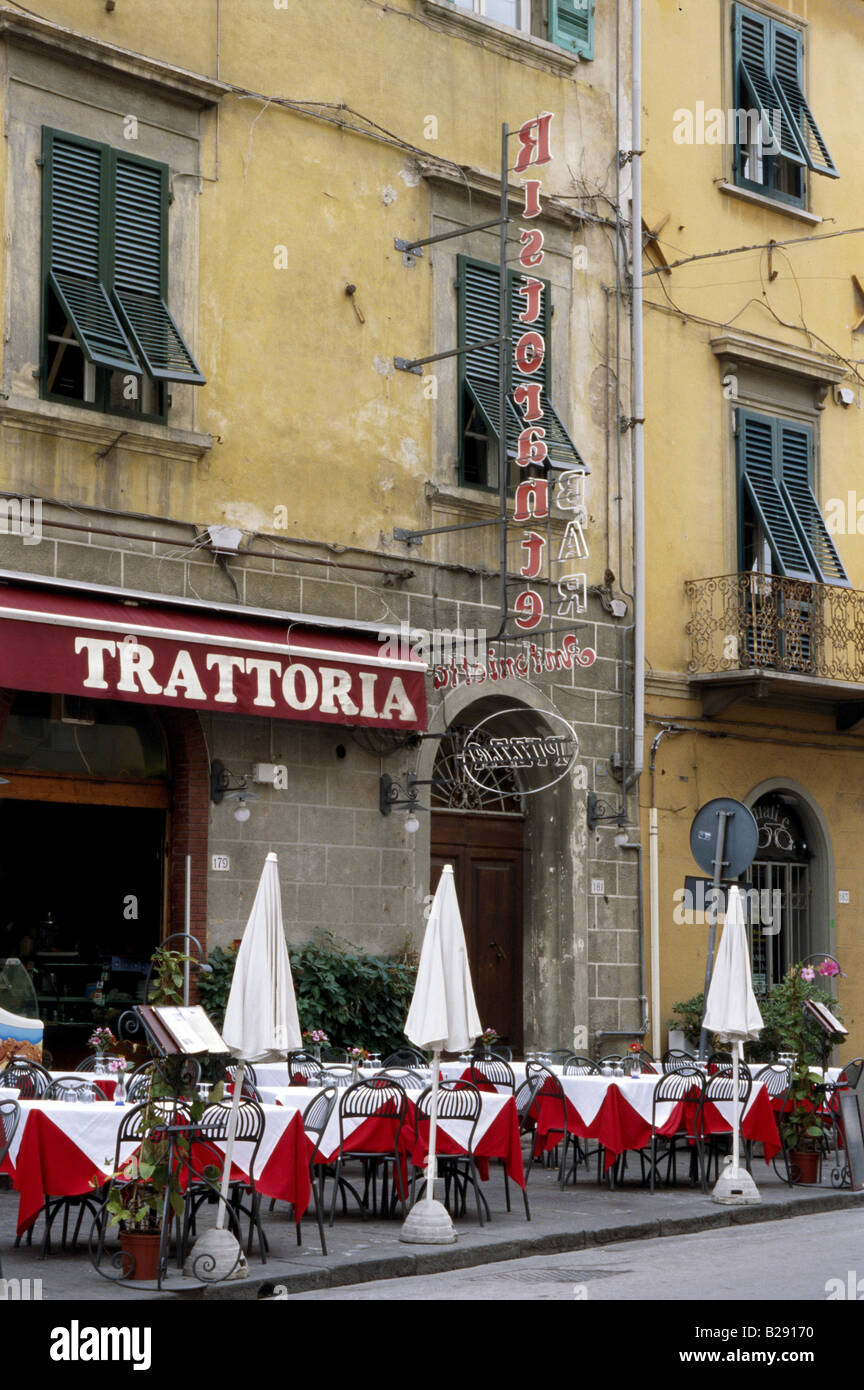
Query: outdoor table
pixel 59 1147
pixel 496 1135
pixel 616 1111
pixel 107 1084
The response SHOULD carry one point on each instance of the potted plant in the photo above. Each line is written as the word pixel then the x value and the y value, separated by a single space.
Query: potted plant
pixel 357 1056
pixel 488 1038
pixel 803 1123
pixel 315 1039
pixel 103 1043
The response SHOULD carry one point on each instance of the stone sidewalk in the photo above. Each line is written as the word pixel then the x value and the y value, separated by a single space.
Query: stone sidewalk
pixel 587 1214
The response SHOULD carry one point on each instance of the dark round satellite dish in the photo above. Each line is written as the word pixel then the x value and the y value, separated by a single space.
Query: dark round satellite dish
pixel 741 838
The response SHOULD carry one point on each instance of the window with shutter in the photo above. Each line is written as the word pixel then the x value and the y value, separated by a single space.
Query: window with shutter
pixel 109 340
pixel 777 137
pixel 478 288
pixel 777 501
pixel 571 25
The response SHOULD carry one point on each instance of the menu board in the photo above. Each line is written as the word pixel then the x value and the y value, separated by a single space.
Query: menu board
pixel 854 1134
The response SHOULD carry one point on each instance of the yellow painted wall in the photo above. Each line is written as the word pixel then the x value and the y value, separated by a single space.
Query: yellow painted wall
pixel 301 395
pixel 691 512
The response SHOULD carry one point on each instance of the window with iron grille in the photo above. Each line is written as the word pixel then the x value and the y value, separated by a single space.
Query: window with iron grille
pixel 777 138
pixel 109 340
pixel 479 307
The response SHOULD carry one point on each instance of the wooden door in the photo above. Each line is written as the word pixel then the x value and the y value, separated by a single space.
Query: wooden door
pixel 486 854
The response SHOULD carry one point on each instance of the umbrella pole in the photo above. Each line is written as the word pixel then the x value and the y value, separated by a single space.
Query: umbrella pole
pixel 433 1129
pixel 229 1147
pixel 735 1109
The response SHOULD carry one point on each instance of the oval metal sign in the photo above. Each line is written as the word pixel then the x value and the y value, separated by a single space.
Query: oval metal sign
pixel 507 752
pixel 740 840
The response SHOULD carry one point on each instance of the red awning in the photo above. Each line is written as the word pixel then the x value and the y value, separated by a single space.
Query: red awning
pixel 69 644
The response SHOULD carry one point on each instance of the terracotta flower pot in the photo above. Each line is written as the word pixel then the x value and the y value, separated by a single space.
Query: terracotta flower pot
pixel 142 1248
pixel 806 1163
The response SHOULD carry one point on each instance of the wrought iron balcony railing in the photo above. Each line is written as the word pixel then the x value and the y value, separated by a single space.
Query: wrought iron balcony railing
pixel 744 622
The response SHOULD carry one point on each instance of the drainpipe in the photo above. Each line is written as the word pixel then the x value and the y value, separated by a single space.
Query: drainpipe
pixel 654 891
pixel 641 1031
pixel 638 410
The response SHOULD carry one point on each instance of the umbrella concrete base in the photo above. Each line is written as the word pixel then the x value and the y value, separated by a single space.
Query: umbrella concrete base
pixel 428 1223
pixel 735 1188
pixel 216 1256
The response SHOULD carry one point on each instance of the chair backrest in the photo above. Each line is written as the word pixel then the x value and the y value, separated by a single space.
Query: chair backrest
pixel 249 1073
pixel 99 1061
pixel 496 1072
pixel 526 1094
pixel 406 1057
pixel 580 1066
pixel 30 1080
pixel 408 1080
pixel 364 1098
pixel 74 1088
pixel 674 1061
pixel 317 1115
pixel 775 1077
pixel 557 1055
pixel 851 1073
pixel 306 1070
pixel 721 1086
pixel 500 1053
pixel 719 1059
pixel 614 1059
pixel 336 1076
pixel 249 1126
pixel 334 1054
pixel 457 1100
pixel 10 1114
pixel 681 1083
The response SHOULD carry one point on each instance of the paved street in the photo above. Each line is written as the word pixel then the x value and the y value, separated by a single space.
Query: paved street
pixel 784 1260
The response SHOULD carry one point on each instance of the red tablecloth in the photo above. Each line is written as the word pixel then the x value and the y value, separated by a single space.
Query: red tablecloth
pixel 618 1127
pixel 48 1162
pixel 501 1140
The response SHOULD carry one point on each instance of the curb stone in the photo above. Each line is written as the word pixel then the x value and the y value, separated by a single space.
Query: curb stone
pixel 438 1261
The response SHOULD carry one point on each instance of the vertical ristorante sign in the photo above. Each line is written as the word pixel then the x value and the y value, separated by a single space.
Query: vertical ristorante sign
pixel 531 503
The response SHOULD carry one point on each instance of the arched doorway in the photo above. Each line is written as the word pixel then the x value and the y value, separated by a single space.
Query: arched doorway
pixel 478 827
pixel 781 874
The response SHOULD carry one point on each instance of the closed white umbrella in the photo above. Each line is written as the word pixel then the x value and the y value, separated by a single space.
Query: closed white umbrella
pixel 732 1013
pixel 261 1022
pixel 442 1018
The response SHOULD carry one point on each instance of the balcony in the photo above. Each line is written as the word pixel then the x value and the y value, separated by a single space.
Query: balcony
pixel 782 641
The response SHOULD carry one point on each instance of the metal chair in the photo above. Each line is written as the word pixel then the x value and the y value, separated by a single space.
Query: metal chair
pixel 851 1074
pixel 721 1087
pixel 140 1082
pixel 334 1054
pixel 316 1117
pixel 212 1128
pixel 100 1060
pixel 408 1080
pixel 74 1088
pixel 340 1076
pixel 407 1057
pixel 775 1078
pixel 499 1052
pixel 495 1071
pixel 684 1086
pixel 365 1101
pixel 676 1061
pixel 614 1059
pixel 249 1073
pixel 719 1059
pixel 304 1072
pixel 457 1100
pixel 30 1080
pixel 525 1098
pixel 580 1066
pixel 549 1088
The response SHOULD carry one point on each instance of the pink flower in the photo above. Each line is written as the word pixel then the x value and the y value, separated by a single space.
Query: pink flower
pixel 829 967
pixel 808 973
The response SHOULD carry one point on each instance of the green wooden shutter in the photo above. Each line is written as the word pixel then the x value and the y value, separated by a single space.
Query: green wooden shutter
pixel 795 448
pixel 758 469
pixel 754 63
pixel 140 231
pixel 74 246
pixel 788 63
pixel 478 320
pixel 571 25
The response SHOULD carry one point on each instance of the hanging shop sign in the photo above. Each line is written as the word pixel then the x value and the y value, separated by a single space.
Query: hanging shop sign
pixel 521 664
pixel 489 747
pixel 73 645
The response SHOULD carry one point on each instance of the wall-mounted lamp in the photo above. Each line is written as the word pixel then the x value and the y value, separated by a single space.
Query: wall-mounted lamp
pixel 393 797
pixel 221 782
pixel 597 811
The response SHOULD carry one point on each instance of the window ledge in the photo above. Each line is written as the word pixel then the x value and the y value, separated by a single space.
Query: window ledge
pixel 512 43
pixel 63 421
pixel 33 31
pixel 764 352
pixel 774 205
